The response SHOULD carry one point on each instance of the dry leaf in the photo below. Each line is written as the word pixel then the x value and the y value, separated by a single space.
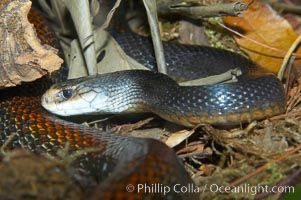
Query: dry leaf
pixel 178 137
pixel 126 128
pixel 192 148
pixel 262 24
pixel 115 59
pixel 207 169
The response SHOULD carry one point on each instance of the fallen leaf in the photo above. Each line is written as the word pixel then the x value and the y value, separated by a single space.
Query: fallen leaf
pixel 192 148
pixel 126 128
pixel 178 137
pixel 207 169
pixel 262 24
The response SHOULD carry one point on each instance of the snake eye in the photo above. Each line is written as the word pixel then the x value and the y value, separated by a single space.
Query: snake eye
pixel 67 93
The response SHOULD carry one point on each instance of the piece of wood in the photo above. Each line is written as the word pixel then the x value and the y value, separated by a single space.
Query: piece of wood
pixel 22 56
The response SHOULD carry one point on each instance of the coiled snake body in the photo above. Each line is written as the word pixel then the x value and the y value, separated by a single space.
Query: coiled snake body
pixel 137 161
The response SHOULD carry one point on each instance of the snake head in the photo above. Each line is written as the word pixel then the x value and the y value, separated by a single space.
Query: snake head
pixel 74 97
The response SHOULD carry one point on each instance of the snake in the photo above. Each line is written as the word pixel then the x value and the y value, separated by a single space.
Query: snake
pixel 255 95
pixel 120 162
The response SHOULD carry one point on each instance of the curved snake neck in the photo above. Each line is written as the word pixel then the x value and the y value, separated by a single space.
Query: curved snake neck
pixel 251 98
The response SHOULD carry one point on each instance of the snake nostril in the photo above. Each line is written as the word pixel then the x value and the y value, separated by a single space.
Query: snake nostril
pixel 45 99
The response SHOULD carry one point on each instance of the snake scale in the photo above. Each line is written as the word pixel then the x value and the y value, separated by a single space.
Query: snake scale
pixel 122 160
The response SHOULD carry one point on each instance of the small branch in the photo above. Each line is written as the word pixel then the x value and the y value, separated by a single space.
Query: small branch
pixel 8 142
pixel 263 167
pixel 199 11
pixel 288 55
pixel 287 115
pixel 110 15
pixel 259 43
pixel 228 76
pixel 151 9
pixel 81 16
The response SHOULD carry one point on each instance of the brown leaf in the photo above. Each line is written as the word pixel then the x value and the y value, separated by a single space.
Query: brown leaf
pixel 207 169
pixel 262 24
pixel 126 128
pixel 192 148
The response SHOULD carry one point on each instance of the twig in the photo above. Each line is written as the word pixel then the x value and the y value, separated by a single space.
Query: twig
pixel 151 10
pixel 217 10
pixel 228 76
pixel 288 80
pixel 263 167
pixel 110 15
pixel 81 16
pixel 295 95
pixel 292 114
pixel 287 57
pixel 198 11
pixel 287 181
pixel 8 141
pixel 256 42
